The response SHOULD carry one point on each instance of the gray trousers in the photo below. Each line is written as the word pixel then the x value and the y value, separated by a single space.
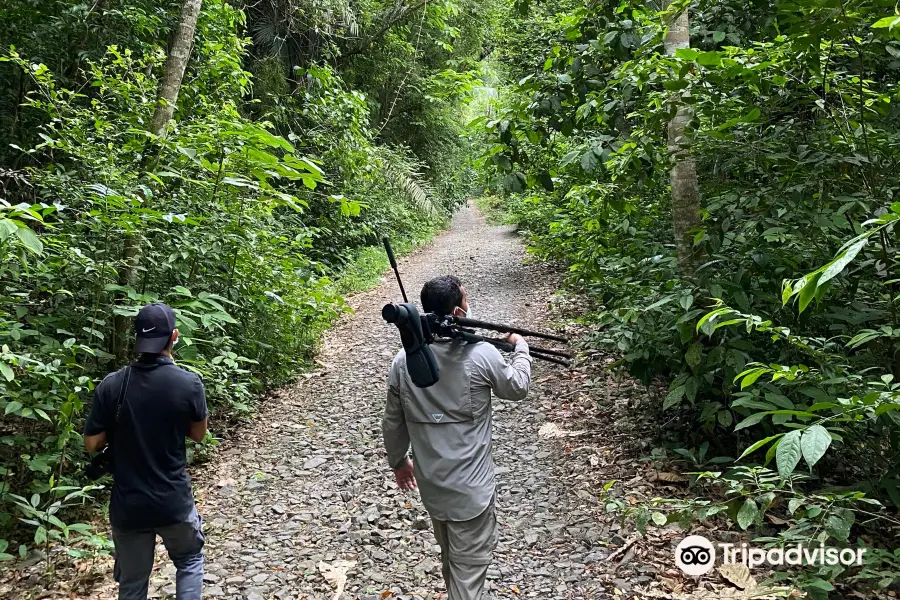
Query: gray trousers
pixel 134 551
pixel 466 551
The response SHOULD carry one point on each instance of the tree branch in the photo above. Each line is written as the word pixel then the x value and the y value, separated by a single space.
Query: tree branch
pixel 399 15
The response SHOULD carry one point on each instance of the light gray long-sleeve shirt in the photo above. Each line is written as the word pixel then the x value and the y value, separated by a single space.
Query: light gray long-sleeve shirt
pixel 449 424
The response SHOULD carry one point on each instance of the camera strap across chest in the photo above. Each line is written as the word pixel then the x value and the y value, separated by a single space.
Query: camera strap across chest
pixel 123 390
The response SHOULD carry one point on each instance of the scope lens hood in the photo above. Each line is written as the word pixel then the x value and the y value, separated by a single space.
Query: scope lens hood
pixel 390 313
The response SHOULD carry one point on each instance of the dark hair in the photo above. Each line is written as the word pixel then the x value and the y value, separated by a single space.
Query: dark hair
pixel 441 295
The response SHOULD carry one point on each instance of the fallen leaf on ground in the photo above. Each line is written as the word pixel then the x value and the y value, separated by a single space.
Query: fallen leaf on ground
pixel 336 574
pixel 552 430
pixel 667 477
pixel 738 575
pixel 672 584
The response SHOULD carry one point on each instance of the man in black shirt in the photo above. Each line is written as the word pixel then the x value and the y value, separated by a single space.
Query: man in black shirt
pixel 144 412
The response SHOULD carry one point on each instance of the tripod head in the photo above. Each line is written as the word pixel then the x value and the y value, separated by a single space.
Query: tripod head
pixel 418 331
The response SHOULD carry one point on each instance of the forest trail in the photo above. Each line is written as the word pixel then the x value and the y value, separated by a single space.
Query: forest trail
pixel 307 483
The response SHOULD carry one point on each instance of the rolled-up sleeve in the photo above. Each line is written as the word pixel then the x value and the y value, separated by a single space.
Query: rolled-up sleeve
pixel 509 380
pixel 393 425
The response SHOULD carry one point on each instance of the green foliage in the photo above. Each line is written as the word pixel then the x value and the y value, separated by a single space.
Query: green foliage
pixel 795 140
pixel 289 156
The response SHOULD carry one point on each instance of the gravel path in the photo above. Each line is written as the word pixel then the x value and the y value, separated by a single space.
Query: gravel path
pixel 306 489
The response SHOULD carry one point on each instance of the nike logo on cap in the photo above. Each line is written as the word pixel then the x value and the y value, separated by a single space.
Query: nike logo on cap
pixel 146 330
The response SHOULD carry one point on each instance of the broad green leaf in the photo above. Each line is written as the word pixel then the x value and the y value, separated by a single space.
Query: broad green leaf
pixel 674 85
pixel 882 408
pixel 570 157
pixel 747 514
pixel 691 386
pixel 820 584
pixel 757 445
pixel 814 443
pixel 780 400
pixel 709 59
pixel 887 23
pixel 749 422
pixel 752 376
pixel 838 264
pixel 711 315
pixel 659 518
pixel 694 356
pixel 687 53
pixel 718 36
pixel 7 371
pixel 673 398
pixel 838 524
pixel 788 454
pixel 7 228
pixel 787 291
pixel 794 504
pixel 30 240
pixel 589 161
pixel 13 408
pixel 808 292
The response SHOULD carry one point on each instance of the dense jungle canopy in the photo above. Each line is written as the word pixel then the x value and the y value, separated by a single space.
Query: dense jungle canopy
pixel 718 177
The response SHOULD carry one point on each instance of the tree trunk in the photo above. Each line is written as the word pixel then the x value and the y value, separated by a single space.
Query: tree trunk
pixel 176 63
pixel 166 100
pixel 683 176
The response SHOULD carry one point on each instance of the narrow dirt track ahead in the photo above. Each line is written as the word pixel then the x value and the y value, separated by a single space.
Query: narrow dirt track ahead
pixel 306 487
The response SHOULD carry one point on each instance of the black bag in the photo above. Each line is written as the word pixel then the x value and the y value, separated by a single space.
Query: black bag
pixel 102 462
pixel 420 362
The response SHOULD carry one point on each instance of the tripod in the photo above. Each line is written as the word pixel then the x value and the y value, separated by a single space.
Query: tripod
pixel 418 331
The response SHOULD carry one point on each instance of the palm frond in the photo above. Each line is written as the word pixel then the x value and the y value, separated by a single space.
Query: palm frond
pixel 401 172
pixel 420 192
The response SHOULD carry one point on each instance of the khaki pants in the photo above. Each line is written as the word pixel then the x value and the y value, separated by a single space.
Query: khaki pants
pixel 466 550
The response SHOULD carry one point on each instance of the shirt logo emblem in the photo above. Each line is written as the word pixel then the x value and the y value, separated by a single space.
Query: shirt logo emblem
pixel 437 416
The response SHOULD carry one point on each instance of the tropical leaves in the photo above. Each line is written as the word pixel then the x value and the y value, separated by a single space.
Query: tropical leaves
pixel 403 174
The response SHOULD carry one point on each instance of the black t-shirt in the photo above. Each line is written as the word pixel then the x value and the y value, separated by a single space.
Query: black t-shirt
pixel 151 487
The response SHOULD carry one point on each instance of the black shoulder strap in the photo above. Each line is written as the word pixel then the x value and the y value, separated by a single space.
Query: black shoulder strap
pixel 122 391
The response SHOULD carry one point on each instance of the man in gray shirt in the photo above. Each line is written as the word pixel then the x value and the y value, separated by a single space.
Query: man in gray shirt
pixel 448 426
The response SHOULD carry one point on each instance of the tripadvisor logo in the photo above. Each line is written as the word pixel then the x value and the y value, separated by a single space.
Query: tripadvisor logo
pixel 696 555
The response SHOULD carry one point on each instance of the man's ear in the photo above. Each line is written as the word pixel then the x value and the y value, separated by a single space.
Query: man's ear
pixel 174 335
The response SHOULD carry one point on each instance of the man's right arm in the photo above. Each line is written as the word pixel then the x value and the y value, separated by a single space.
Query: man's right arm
pixel 396 435
pixel 393 429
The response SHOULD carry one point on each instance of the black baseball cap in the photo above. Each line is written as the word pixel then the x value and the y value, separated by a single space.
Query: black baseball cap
pixel 154 326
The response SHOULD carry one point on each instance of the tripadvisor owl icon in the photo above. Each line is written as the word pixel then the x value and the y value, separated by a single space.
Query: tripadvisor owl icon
pixel 695 555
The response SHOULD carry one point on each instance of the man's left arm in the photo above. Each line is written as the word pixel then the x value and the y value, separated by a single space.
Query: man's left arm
pixel 396 437
pixel 199 413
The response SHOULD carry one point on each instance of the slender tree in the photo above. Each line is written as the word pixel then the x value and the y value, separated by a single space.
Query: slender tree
pixel 176 63
pixel 683 176
pixel 166 100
